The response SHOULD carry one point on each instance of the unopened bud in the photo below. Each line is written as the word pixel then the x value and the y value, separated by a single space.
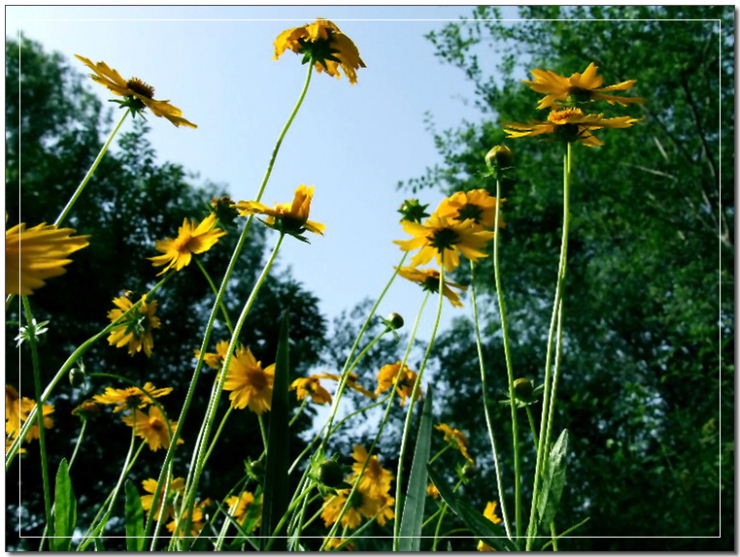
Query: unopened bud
pixel 395 320
pixel 468 470
pixel 76 376
pixel 330 474
pixel 413 211
pixel 523 389
pixel 499 157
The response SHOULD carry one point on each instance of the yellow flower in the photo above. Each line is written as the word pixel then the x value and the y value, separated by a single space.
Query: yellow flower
pixel 490 514
pixel 433 491
pixel 335 543
pixel 457 439
pixel 215 360
pixel 138 94
pixel 290 218
pixel 36 254
pixel 150 486
pixel 18 409
pixel 404 384
pixel 311 386
pixel 352 383
pixel 86 410
pixel 478 205
pixel 578 87
pixel 361 505
pixel 131 397
pixel 152 427
pixel 190 239
pixel 429 281
pixel 197 522
pixel 571 124
pixel 238 505
pixel 446 239
pixel 9 443
pixel 324 45
pixel 376 480
pixel 135 330
pixel 249 383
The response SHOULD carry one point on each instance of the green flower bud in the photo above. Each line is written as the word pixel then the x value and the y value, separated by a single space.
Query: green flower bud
pixel 395 320
pixel 499 157
pixel 76 376
pixel 468 470
pixel 523 389
pixel 331 474
pixel 413 211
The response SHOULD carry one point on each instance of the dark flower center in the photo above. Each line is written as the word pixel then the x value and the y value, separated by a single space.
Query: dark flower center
pixel 431 284
pixel 470 211
pixel 140 87
pixel 444 238
pixel 580 94
pixel 156 424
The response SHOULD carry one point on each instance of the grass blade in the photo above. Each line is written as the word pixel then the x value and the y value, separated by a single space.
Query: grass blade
pixel 134 519
pixel 413 509
pixel 554 480
pixel 65 510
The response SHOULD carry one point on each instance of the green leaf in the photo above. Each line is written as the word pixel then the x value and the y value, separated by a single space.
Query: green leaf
pixel 413 508
pixel 276 495
pixel 480 526
pixel 65 510
pixel 554 480
pixel 134 519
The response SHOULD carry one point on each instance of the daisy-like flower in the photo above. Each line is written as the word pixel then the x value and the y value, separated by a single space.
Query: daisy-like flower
pixel 250 384
pixel 457 439
pixel 311 386
pixel 478 205
pixel 18 409
pixel 446 239
pixel 35 254
pixel 139 95
pixel 404 383
pixel 150 486
pixel 191 238
pixel 197 522
pixel 376 480
pixel 152 427
pixel 86 410
pixel 578 87
pixel 135 330
pixel 361 505
pixel 239 504
pixel 215 360
pixel 490 514
pixel 324 45
pixel 570 124
pixel 429 281
pixel 131 397
pixel 289 218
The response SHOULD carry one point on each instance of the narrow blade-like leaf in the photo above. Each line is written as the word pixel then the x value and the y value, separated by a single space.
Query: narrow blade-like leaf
pixel 65 510
pixel 554 480
pixel 134 519
pixel 413 509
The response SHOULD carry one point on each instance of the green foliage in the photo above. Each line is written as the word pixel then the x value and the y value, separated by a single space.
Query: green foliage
pixel 649 308
pixel 65 510
pixel 134 518
pixel 553 481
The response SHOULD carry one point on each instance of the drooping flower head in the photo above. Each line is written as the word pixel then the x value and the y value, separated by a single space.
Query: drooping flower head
pixel 311 386
pixel 131 397
pixel 35 254
pixel 152 427
pixel 191 238
pixel 578 88
pixel 324 45
pixel 446 239
pixel 457 439
pixel 570 125
pixel 135 329
pixel 289 218
pixel 138 94
pixel 150 486
pixel 215 359
pixel 388 376
pixel 428 279
pixel 477 205
pixel 250 384
pixel 86 410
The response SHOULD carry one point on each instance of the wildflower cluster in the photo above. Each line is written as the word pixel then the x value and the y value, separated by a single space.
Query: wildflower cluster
pixel 17 411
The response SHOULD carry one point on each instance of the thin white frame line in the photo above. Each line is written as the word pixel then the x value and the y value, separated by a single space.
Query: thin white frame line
pixel 466 20
pixel 20 251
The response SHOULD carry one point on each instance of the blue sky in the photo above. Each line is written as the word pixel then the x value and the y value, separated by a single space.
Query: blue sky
pixel 354 143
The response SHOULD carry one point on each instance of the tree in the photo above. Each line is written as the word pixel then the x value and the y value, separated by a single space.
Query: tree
pixel 649 341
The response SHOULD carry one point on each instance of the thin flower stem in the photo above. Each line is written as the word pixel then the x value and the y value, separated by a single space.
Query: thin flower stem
pixel 532 426
pixel 409 413
pixel 360 335
pixel 199 453
pixel 383 422
pixel 439 526
pixel 440 453
pixel 221 303
pixel 77 444
pixel 263 431
pixel 562 266
pixel 76 355
pixel 287 515
pixel 221 292
pixel 566 532
pixel 301 408
pixel 97 529
pixel 484 392
pixel 32 342
pixel 90 172
pixel 216 436
pixel 509 371
pixel 554 535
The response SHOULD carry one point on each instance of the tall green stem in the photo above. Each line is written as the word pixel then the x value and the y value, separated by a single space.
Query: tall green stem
pixel 409 413
pixel 486 405
pixel 562 266
pixel 509 368
pixel 221 304
pixel 78 192
pixel 32 341
pixel 219 297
